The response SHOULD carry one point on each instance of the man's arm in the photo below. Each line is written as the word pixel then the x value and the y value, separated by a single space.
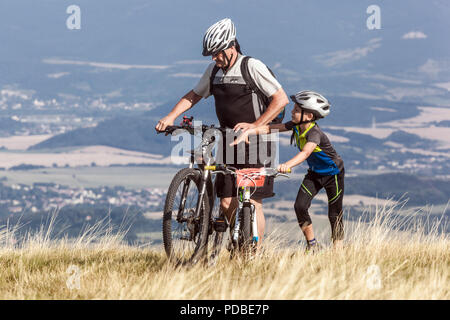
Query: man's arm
pixel 185 103
pixel 279 101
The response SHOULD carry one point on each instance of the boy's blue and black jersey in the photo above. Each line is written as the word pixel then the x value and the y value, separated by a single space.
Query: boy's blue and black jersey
pixel 324 160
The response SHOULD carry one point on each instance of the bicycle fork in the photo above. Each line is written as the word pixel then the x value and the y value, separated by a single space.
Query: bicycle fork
pixel 185 192
pixel 244 198
pixel 254 225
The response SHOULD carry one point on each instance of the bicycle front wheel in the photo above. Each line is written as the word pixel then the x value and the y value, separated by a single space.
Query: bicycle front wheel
pixel 185 230
pixel 245 233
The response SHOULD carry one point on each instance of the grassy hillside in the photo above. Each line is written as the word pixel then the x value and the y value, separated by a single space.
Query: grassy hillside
pixel 375 263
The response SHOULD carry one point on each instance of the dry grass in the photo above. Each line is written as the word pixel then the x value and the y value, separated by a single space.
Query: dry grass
pixel 376 263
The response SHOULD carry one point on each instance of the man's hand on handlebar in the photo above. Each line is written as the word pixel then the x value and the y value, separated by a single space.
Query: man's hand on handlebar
pixel 163 124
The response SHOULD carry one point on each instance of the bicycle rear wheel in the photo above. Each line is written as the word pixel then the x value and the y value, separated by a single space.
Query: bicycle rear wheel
pixel 184 230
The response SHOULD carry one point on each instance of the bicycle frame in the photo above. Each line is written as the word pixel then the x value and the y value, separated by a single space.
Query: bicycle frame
pixel 203 153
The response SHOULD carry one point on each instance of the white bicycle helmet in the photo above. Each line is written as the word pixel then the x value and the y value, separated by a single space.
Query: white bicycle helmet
pixel 313 102
pixel 219 37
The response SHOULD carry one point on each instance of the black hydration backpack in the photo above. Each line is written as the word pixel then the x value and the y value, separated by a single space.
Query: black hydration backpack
pixel 253 87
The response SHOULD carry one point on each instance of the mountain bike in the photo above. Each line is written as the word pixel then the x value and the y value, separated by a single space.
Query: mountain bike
pixel 190 212
pixel 193 222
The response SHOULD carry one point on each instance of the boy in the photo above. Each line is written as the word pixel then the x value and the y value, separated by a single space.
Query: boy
pixel 326 168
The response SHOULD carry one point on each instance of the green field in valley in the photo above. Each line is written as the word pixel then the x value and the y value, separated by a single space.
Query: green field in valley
pixel 90 177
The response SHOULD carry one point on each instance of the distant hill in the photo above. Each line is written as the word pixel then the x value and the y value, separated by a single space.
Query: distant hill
pixel 136 132
pixel 410 140
pixel 131 133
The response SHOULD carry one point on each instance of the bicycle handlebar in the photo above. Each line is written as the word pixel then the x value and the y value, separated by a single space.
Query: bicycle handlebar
pixel 191 129
pixel 229 169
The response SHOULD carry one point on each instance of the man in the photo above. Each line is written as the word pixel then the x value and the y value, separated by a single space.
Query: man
pixel 237 107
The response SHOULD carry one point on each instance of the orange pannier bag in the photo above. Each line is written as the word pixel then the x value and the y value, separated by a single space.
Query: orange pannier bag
pixel 250 177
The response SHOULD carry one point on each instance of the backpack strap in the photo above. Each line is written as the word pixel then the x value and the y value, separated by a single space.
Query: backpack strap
pixel 211 79
pixel 247 77
pixel 252 85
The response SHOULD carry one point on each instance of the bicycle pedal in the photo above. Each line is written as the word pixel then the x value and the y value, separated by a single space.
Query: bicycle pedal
pixel 220 225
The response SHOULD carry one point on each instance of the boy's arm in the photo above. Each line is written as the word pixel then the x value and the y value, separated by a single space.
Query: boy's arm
pixel 244 135
pixel 299 158
pixel 280 127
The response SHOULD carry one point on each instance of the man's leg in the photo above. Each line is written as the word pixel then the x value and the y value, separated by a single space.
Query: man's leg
pixel 228 206
pixel 226 191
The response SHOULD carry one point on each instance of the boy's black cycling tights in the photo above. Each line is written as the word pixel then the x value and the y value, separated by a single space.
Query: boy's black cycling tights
pixel 311 185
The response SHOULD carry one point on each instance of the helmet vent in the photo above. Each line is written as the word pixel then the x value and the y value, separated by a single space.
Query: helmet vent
pixel 313 102
pixel 218 37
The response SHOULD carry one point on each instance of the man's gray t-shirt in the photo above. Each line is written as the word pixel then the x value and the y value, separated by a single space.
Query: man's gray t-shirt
pixel 259 72
pixel 235 103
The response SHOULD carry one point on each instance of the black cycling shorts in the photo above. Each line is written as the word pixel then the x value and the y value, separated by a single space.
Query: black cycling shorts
pixel 226 185
pixel 334 186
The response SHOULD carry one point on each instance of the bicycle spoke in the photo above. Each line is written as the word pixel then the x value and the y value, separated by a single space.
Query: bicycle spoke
pixel 184 233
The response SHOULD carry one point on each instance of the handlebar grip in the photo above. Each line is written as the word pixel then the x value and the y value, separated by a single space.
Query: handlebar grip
pixel 168 130
pixel 218 167
pixel 171 128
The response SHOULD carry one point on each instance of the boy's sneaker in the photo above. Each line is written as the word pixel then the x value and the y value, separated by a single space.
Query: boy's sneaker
pixel 313 248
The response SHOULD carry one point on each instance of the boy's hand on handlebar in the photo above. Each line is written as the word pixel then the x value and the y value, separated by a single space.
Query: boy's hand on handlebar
pixel 283 168
pixel 163 124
